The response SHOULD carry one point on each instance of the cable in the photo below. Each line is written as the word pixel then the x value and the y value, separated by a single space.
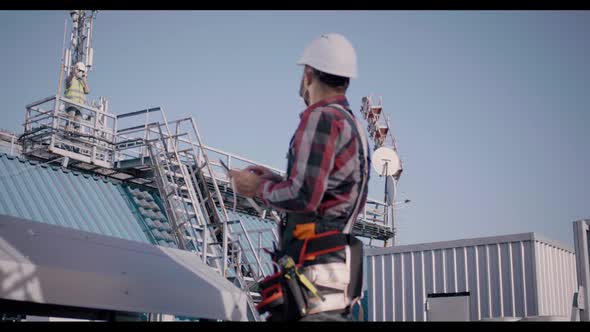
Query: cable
pixel 233 189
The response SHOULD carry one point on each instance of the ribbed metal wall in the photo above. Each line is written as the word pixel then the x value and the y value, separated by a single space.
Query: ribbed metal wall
pixel 504 276
pixel 556 278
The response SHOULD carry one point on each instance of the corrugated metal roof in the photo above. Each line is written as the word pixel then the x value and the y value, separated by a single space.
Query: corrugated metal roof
pixel 58 196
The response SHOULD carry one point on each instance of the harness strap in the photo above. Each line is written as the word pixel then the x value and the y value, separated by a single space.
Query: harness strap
pixel 323 244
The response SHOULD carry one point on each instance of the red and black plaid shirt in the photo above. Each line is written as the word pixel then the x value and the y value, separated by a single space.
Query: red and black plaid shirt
pixel 324 167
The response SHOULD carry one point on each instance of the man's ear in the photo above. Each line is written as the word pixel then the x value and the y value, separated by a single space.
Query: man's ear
pixel 309 76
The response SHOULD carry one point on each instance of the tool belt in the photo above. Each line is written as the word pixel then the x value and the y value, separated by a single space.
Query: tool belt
pixel 306 285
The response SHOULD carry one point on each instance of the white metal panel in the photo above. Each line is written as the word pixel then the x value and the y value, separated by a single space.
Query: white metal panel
pixel 55 265
pixel 582 242
pixel 556 280
pixel 452 308
pixel 503 275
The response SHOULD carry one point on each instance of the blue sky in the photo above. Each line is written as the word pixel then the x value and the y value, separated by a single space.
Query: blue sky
pixel 490 109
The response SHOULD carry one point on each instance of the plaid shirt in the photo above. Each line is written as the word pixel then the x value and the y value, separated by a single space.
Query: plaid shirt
pixel 324 167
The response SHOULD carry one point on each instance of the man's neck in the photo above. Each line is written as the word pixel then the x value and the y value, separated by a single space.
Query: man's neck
pixel 321 95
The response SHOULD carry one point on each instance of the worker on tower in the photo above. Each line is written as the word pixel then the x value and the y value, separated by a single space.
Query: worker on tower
pixel 76 90
pixel 325 188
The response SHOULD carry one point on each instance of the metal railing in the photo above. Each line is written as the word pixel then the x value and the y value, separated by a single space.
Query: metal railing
pixel 59 126
pixel 374 211
pixel 582 245
pixel 257 266
pixel 93 137
pixel 10 139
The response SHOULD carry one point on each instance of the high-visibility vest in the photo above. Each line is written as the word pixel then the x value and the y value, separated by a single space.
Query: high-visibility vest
pixel 75 91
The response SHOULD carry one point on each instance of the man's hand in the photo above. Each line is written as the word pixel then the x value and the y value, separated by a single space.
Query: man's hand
pixel 85 82
pixel 264 173
pixel 246 182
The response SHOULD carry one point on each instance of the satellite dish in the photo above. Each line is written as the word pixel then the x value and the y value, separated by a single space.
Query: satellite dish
pixel 386 161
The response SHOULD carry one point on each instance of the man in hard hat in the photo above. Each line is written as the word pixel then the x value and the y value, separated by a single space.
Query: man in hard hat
pixel 76 90
pixel 321 195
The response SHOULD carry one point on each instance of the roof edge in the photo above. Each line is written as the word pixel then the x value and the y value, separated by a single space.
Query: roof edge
pixel 36 163
pixel 451 244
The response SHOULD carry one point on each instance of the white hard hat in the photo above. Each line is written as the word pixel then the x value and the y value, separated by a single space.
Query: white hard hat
pixel 331 53
pixel 81 66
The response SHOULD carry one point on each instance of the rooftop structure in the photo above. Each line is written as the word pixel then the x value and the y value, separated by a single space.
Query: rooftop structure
pixel 139 176
pixel 128 195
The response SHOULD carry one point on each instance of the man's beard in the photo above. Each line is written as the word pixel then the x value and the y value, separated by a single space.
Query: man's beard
pixel 304 95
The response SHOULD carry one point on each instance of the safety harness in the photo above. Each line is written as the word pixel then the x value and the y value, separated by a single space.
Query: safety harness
pixel 318 272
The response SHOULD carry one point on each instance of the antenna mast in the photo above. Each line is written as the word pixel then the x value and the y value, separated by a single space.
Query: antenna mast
pixel 80 48
pixel 386 161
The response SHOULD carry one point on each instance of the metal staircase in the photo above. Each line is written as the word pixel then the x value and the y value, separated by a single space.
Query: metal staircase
pixel 198 214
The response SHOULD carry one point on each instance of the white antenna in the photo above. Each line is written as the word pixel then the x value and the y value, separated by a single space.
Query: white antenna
pixel 386 162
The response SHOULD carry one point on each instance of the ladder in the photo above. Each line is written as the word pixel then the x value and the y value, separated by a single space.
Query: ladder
pixel 233 249
pixel 192 208
pixel 239 239
pixel 181 201
pixel 247 272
